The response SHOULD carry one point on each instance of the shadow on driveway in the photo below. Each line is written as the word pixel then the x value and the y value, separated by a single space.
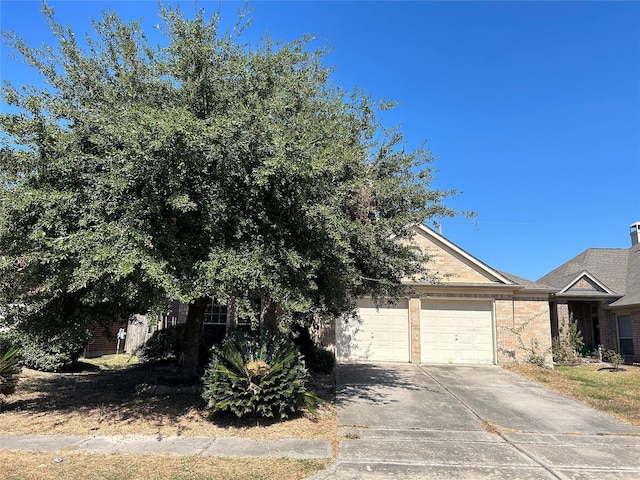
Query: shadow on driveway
pixel 397 396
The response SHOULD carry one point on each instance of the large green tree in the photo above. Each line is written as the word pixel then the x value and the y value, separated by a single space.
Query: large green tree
pixel 204 167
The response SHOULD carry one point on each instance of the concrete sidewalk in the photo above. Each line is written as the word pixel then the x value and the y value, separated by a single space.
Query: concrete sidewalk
pixel 151 445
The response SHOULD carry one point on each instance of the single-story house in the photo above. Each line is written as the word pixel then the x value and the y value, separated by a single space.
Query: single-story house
pixel 600 289
pixel 474 315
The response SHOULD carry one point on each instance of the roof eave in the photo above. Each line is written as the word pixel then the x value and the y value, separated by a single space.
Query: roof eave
pixel 491 271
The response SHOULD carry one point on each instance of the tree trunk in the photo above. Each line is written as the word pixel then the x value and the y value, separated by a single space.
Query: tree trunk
pixel 268 316
pixel 192 338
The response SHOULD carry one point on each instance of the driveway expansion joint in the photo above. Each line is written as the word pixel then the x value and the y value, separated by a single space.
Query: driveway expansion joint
pixel 482 420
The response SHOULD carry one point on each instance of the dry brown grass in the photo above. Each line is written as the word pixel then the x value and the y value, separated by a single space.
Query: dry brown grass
pixel 41 466
pixel 615 393
pixel 104 400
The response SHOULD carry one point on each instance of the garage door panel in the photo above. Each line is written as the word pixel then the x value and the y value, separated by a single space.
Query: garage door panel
pixel 378 334
pixel 456 332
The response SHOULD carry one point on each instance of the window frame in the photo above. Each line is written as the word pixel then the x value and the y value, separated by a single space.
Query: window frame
pixel 627 338
pixel 216 311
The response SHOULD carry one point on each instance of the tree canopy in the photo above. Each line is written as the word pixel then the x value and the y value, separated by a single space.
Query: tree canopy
pixel 203 167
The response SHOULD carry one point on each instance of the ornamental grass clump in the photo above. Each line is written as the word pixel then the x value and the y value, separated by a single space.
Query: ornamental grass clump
pixel 257 376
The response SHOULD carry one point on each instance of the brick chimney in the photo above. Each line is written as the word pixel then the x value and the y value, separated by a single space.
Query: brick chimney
pixel 635 233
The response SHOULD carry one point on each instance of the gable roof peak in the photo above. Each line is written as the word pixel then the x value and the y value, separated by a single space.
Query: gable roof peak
pixel 428 231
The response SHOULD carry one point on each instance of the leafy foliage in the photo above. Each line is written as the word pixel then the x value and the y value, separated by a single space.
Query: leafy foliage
pixel 316 358
pixel 613 357
pixel 319 360
pixel 10 368
pixel 46 348
pixel 163 346
pixel 204 167
pixel 167 346
pixel 568 345
pixel 531 351
pixel 261 375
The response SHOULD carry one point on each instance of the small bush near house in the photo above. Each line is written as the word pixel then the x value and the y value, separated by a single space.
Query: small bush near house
pixel 531 353
pixel 569 345
pixel 9 340
pixel 51 354
pixel 319 360
pixel 614 358
pixel 165 346
pixel 257 376
pixel 47 351
pixel 316 358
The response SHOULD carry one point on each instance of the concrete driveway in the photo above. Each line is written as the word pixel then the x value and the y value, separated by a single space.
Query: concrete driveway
pixel 414 422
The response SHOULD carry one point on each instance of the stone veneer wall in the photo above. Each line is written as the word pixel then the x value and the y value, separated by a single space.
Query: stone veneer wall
pixel 522 323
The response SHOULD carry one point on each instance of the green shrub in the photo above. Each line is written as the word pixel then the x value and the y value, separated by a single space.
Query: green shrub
pixel 316 358
pixel 613 357
pixel 10 367
pixel 45 350
pixel 257 376
pixel 163 346
pixel 166 346
pixel 52 353
pixel 9 339
pixel 568 347
pixel 319 360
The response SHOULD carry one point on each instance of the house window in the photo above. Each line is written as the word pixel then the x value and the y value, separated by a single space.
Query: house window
pixel 214 326
pixel 215 314
pixel 625 335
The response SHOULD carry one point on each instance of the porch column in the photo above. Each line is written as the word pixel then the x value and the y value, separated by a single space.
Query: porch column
pixel 562 312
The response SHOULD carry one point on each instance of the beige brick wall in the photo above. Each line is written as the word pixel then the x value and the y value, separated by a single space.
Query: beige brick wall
pixel 522 328
pixel 447 265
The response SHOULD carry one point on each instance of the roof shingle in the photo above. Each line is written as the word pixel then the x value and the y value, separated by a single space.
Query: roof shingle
pixel 616 268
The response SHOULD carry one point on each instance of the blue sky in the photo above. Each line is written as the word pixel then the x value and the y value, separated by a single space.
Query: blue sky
pixel 532 108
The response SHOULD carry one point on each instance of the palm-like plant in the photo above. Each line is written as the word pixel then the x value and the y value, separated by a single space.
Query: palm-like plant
pixel 260 376
pixel 10 368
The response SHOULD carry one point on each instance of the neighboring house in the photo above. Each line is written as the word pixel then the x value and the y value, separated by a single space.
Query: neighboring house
pixel 474 315
pixel 600 289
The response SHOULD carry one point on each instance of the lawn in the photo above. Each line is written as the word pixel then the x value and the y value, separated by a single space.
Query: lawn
pixel 40 466
pixel 615 393
pixel 117 396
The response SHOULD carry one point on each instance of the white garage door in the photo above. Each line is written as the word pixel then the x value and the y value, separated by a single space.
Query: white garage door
pixel 456 332
pixel 378 335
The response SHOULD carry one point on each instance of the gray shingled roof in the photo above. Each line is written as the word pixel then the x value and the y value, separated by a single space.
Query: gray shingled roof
pixel 528 284
pixel 632 294
pixel 618 269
